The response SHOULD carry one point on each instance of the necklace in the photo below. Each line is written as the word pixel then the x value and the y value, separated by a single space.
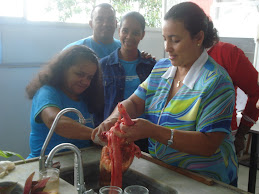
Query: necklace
pixel 178 83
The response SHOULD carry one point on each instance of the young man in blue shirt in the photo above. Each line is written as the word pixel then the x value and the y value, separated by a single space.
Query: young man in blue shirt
pixel 103 22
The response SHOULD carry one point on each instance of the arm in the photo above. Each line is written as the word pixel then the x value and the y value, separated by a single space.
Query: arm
pixel 246 79
pixel 245 76
pixel 242 73
pixel 204 144
pixel 66 127
pixel 135 107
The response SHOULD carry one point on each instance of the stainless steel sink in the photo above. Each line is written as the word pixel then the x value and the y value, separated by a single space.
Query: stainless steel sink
pixel 131 177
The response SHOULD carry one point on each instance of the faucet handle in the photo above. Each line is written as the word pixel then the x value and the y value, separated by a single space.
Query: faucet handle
pixel 56 165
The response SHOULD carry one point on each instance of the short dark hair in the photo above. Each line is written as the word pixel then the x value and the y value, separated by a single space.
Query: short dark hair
pixel 195 20
pixel 140 18
pixel 103 5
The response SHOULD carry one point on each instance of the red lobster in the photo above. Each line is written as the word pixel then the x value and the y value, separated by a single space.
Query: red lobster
pixel 118 155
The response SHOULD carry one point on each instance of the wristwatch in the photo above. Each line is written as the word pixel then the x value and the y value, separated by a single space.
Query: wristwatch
pixel 170 141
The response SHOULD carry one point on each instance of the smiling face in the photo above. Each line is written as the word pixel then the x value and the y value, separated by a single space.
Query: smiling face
pixel 103 24
pixel 78 79
pixel 130 33
pixel 182 49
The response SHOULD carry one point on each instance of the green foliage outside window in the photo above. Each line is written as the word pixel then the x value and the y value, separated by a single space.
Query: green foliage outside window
pixel 150 9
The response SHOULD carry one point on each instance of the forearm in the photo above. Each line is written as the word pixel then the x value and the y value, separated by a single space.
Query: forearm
pixel 72 129
pixel 242 129
pixel 251 113
pixel 191 142
pixel 246 77
pixel 204 144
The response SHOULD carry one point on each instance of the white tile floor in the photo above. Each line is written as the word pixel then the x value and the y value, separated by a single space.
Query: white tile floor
pixel 243 178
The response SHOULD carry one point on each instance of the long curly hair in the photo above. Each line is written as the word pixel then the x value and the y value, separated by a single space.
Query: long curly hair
pixel 195 20
pixel 53 74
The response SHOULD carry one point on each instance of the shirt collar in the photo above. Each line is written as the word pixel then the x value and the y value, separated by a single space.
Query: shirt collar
pixel 114 58
pixel 192 74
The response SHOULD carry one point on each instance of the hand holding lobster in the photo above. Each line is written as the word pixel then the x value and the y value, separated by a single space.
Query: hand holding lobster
pixel 118 155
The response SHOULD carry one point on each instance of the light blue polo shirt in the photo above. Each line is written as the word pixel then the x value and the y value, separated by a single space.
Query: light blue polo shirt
pixel 101 50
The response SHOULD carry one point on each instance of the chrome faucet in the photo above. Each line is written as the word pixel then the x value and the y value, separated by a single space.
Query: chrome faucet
pixel 78 165
pixel 42 157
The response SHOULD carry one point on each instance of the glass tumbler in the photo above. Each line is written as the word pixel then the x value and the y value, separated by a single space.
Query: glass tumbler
pixel 136 189
pixel 110 190
pixel 52 185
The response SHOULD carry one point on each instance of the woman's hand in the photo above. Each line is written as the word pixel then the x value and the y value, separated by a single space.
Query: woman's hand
pixel 137 131
pixel 104 126
pixel 146 55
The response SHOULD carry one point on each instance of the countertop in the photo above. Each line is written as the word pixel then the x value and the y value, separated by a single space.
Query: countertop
pixel 180 182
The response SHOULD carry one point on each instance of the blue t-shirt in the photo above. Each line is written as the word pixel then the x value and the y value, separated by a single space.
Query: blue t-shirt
pixel 101 50
pixel 131 77
pixel 48 96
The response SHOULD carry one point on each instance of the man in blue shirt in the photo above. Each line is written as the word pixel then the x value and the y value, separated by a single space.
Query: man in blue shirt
pixel 103 22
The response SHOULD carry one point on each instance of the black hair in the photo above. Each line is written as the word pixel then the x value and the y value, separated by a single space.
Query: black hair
pixel 195 20
pixel 140 18
pixel 103 5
